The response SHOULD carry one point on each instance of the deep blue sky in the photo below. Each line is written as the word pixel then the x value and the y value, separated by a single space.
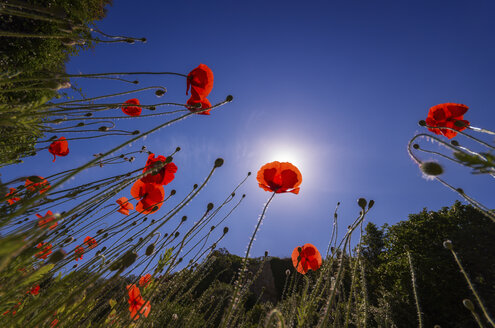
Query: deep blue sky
pixel 338 85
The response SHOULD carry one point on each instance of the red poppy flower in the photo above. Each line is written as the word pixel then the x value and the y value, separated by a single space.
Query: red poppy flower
pixel 205 103
pixel 200 80
pixel 150 196
pixel 161 176
pixel 136 301
pixel 12 199
pixel 305 258
pixel 37 183
pixel 78 253
pixel 46 250
pixel 145 280
pixel 90 242
pixel 446 115
pixel 125 206
pixel 59 148
pixel 35 290
pixel 45 221
pixel 279 177
pixel 54 323
pixel 132 110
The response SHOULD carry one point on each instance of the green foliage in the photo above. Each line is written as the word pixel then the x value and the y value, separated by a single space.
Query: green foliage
pixel 35 59
pixel 480 164
pixel 441 287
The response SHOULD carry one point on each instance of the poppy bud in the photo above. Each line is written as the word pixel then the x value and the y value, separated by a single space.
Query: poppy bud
pixel 131 41
pixel 422 123
pixel 105 235
pixel 177 234
pixel 69 240
pixel 195 186
pixel 249 173
pixel 143 40
pixel 454 143
pixel 214 245
pixel 150 249
pixel 229 98
pixel 165 235
pixel 179 260
pixel 218 162
pixel 431 168
pixel 225 230
pixel 88 114
pixel 209 207
pixel 172 192
pixel 468 304
pixel 145 218
pixel 460 190
pixel 266 253
pixel 232 194
pixel 58 255
pixel 135 82
pixel 128 259
pixel 243 195
pixel 160 92
pixel 362 203
pixel 80 124
pixel 184 218
pixel 103 128
pixel 460 124
pixel 135 132
pixel 212 228
pixel 132 159
pixel 152 221
pixel 287 272
pixel 448 244
pixel 104 248
pixel 371 203
pixel 416 146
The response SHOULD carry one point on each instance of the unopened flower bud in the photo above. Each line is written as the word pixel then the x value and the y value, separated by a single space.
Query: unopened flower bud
pixel 266 253
pixel 58 255
pixel 468 304
pixel 212 228
pixel 416 146
pixel 229 98
pixel 448 244
pixel 177 234
pixel 362 203
pixel 218 162
pixel 184 218
pixel 128 259
pixel 422 123
pixel 454 143
pixel 209 207
pixel 160 92
pixel 136 132
pixel 431 168
pixel 103 128
pixel 150 249
pixel 371 203
pixel 287 272
pixel 225 230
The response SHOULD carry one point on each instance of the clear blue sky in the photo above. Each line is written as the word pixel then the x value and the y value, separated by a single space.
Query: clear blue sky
pixel 338 85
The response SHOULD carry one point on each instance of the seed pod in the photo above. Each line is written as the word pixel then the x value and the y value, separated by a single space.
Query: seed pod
pixel 362 203
pixel 128 259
